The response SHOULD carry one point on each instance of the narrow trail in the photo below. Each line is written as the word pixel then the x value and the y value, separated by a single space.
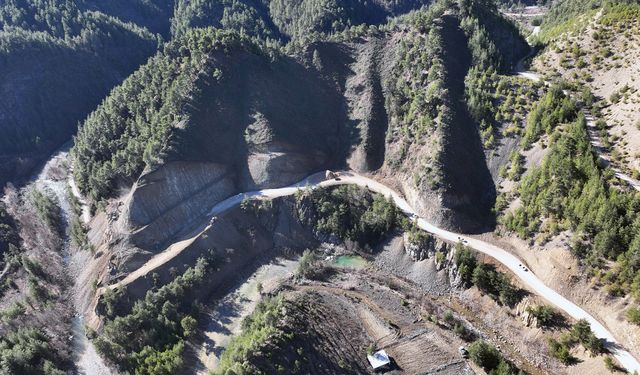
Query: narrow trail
pixel 601 151
pixel 528 278
pixel 592 130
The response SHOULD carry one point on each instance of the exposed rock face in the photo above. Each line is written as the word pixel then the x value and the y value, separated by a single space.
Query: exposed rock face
pixel 364 94
pixel 235 239
pixel 271 169
pixel 528 319
pixel 455 279
pixel 427 248
pixel 164 201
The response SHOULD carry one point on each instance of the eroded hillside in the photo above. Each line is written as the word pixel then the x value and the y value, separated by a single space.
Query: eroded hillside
pixel 183 250
pixel 216 114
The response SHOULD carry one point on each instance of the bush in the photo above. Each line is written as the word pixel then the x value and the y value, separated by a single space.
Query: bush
pixel 484 355
pixel 581 332
pixel 560 351
pixel 448 317
pixel 609 364
pixel 462 331
pixel 633 315
pixel 310 267
pixel 545 314
pixel 465 261
pixel 47 208
pixel 615 97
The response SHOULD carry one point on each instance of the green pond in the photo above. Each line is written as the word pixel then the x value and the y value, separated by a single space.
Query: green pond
pixel 351 261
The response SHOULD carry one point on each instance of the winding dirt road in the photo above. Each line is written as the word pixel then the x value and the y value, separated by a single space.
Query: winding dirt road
pixel 528 278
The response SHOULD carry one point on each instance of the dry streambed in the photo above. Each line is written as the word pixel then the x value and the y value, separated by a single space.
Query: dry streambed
pixel 224 320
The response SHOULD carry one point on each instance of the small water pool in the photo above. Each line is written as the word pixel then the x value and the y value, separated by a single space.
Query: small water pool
pixel 351 261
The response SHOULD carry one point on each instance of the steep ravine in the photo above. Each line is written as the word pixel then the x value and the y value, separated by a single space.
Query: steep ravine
pixel 85 357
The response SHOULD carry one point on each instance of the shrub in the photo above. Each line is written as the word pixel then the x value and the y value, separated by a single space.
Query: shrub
pixel 545 314
pixel 47 208
pixel 633 315
pixel 615 97
pixel 448 317
pixel 484 355
pixel 609 364
pixel 310 266
pixel 560 351
pixel 581 332
pixel 465 261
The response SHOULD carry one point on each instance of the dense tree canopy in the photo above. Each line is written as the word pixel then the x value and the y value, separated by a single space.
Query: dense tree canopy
pixel 150 339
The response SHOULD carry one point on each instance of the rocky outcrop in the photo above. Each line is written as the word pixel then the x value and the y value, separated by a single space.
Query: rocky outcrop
pixel 165 201
pixel 424 248
pixel 235 240
pixel 522 311
pixel 367 111
pixel 455 279
pixel 274 168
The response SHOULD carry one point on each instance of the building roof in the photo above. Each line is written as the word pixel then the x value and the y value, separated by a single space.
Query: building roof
pixel 378 359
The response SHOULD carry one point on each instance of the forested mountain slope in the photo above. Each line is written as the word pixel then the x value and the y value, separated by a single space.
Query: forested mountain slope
pixel 599 50
pixel 563 11
pixel 76 51
pixel 58 59
pixel 265 93
pixel 574 204
pixel 284 20
pixel 260 118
